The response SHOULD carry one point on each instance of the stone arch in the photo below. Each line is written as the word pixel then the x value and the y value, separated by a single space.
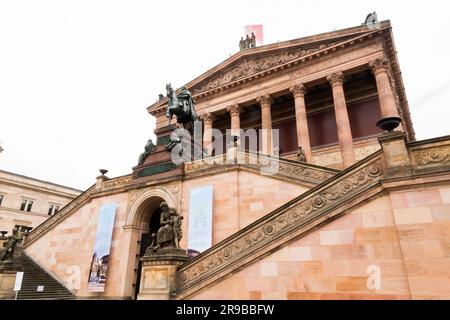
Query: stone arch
pixel 146 202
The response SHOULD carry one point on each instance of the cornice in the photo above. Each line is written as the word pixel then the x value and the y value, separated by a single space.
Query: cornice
pixel 34 188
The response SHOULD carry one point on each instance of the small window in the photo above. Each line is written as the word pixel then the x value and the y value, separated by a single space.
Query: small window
pixel 53 209
pixel 23 205
pixel 26 205
pixel 30 205
pixel 25 229
pixel 1 199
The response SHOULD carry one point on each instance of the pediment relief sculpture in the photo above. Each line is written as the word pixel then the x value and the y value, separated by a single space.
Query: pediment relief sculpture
pixel 249 67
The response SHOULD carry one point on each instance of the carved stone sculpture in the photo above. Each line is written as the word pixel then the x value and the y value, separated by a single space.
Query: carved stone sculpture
pixel 9 249
pixel 253 40
pixel 169 233
pixel 371 18
pixel 149 148
pixel 242 44
pixel 301 157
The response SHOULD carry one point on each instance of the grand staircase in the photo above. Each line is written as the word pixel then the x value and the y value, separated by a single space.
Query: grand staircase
pixel 38 284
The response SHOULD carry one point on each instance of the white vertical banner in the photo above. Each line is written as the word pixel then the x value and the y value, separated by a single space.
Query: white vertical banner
pixel 102 247
pixel 200 219
pixel 18 282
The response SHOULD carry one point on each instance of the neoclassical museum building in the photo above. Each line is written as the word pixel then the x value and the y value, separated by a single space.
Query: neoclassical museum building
pixel 359 213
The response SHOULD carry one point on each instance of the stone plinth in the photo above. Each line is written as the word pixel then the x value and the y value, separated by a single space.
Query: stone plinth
pixel 396 156
pixel 8 270
pixel 158 273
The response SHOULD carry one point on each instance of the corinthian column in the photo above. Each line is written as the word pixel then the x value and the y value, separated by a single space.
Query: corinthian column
pixel 266 119
pixel 234 111
pixel 388 104
pixel 299 91
pixel 207 119
pixel 342 122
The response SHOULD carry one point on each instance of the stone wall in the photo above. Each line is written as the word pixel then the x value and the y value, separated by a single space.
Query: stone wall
pixel 404 234
pixel 67 249
pixel 239 198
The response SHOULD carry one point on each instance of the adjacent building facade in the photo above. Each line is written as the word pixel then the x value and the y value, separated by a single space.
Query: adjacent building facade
pixel 366 216
pixel 27 202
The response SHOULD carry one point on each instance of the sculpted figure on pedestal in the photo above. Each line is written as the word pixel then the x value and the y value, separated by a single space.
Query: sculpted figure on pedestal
pixel 242 44
pixel 9 247
pixel 169 233
pixel 182 106
pixel 301 157
pixel 253 40
pixel 248 42
pixel 149 148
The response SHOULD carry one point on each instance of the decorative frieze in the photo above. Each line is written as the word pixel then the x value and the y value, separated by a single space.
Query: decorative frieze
pixel 438 155
pixel 249 67
pixel 119 182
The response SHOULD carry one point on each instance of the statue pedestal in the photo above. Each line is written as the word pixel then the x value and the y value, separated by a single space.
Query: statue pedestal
pixel 8 270
pixel 158 273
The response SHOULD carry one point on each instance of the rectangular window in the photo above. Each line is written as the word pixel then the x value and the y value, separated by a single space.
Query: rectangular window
pixel 53 209
pixel 25 229
pixel 30 205
pixel 23 205
pixel 1 199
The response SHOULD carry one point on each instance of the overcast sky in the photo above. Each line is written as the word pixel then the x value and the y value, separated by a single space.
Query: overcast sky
pixel 76 76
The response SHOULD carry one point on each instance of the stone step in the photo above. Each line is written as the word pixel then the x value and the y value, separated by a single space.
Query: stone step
pixel 34 276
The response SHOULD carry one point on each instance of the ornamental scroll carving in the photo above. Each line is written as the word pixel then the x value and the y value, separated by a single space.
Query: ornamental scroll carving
pixel 432 156
pixel 299 171
pixel 250 67
pixel 113 183
pixel 278 223
pixel 279 167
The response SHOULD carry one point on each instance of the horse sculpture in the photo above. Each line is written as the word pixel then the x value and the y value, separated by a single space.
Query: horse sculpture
pixel 181 106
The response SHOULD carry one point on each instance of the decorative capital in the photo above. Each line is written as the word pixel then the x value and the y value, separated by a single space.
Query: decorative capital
pixel 379 65
pixel 207 118
pixel 336 79
pixel 264 101
pixel 234 110
pixel 298 90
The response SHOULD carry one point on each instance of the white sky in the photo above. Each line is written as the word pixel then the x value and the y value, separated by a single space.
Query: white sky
pixel 76 76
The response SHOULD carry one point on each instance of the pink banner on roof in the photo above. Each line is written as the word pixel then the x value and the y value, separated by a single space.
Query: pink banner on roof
pixel 257 31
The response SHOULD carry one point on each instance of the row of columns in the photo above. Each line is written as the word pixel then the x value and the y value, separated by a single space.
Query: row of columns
pixel 388 108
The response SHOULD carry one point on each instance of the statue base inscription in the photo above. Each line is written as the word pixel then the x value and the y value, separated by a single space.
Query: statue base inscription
pixel 158 273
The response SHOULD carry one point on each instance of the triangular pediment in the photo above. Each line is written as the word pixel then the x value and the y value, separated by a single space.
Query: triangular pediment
pixel 254 61
pixel 251 61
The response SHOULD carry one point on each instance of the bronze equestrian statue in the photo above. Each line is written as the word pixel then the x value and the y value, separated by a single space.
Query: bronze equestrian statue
pixel 182 106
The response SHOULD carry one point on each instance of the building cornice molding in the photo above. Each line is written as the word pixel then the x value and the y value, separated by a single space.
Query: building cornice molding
pixel 34 188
